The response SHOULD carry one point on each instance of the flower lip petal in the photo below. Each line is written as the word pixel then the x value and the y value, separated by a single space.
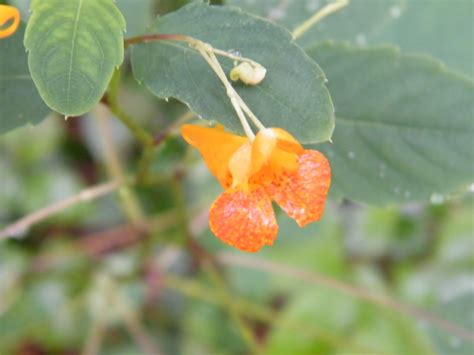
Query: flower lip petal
pixel 302 193
pixel 244 219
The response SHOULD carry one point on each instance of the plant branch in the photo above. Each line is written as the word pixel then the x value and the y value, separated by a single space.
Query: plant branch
pixel 139 333
pixel 318 279
pixel 318 16
pixel 147 156
pixel 95 336
pixel 112 101
pixel 89 194
pixel 128 200
pixel 155 37
pixel 258 312
pixel 209 54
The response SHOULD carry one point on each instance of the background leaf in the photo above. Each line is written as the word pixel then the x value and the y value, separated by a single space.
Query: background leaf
pixel 404 125
pixel 292 96
pixel 73 49
pixel 442 28
pixel 348 24
pixel 16 85
pixel 137 13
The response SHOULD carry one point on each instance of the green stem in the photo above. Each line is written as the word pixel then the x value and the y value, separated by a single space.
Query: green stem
pixel 112 99
pixel 318 16
pixel 232 308
pixel 261 313
pixel 144 164
pixel 129 201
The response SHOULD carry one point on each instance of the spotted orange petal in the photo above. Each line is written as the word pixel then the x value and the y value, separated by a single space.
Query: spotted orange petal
pixel 274 146
pixel 244 219
pixel 8 13
pixel 216 147
pixel 302 193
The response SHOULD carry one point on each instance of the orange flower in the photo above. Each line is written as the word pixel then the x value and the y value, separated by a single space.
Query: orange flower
pixel 8 13
pixel 273 167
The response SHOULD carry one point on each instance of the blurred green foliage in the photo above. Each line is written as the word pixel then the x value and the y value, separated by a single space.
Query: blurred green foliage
pixel 84 279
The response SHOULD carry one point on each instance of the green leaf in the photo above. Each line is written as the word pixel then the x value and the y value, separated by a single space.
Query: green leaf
pixel 455 305
pixel 137 15
pixel 16 85
pixel 292 96
pixel 404 125
pixel 442 28
pixel 328 316
pixel 352 23
pixel 73 48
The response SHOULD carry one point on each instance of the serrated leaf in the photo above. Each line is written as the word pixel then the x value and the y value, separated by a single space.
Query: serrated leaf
pixel 404 125
pixel 292 96
pixel 442 28
pixel 16 84
pixel 73 47
pixel 354 22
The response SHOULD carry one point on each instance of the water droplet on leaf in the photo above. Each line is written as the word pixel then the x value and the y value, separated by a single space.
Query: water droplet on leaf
pixel 395 12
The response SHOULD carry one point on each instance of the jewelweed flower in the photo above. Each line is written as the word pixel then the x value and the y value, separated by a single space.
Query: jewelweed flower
pixel 7 14
pixel 274 166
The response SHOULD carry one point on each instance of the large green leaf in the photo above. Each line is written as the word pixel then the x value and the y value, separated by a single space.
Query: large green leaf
pixel 73 47
pixel 354 22
pixel 292 96
pixel 442 28
pixel 16 85
pixel 404 125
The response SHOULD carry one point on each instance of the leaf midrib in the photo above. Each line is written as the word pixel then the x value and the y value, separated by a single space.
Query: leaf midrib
pixel 73 46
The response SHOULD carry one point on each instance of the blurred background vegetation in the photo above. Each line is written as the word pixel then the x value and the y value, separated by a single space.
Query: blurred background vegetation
pixel 87 281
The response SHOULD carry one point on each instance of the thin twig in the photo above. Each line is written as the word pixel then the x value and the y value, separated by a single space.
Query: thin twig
pixel 318 279
pixel 89 194
pixel 209 54
pixel 113 103
pixel 95 336
pixel 155 37
pixel 318 16
pixel 259 312
pixel 128 200
pixel 231 93
pixel 139 333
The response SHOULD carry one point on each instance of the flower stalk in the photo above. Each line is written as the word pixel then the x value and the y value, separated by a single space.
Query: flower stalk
pixel 208 52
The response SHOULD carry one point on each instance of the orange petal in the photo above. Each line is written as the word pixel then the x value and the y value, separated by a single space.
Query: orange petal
pixel 240 165
pixel 302 193
pixel 216 147
pixel 268 143
pixel 8 13
pixel 244 219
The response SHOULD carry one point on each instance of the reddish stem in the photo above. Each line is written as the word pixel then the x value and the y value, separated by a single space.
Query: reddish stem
pixel 156 37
